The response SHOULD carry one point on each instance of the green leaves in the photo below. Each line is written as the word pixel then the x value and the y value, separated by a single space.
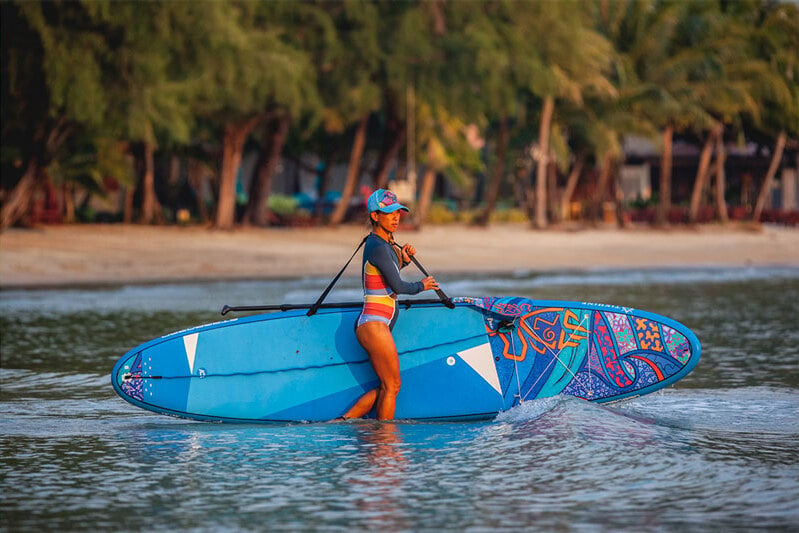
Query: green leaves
pixel 173 74
pixel 72 60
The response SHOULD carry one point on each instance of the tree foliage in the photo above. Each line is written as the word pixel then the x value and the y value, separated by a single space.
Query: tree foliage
pixel 93 90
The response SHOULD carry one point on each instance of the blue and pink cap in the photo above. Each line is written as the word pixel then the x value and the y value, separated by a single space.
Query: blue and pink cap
pixel 384 201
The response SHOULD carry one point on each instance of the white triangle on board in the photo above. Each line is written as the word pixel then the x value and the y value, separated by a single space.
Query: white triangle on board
pixel 190 342
pixel 481 359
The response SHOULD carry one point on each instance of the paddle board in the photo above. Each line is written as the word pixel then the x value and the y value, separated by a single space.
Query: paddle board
pixel 481 357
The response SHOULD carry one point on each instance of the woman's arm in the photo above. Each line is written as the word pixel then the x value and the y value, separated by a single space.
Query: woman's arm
pixel 386 260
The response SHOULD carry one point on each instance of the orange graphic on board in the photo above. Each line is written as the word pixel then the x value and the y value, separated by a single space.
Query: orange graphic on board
pixel 543 333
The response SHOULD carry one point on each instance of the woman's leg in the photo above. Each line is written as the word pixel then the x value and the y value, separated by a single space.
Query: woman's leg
pixel 363 405
pixel 376 339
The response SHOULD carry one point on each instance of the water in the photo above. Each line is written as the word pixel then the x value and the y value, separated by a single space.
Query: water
pixel 720 450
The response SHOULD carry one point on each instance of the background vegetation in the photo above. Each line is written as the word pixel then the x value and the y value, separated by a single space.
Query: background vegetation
pixel 94 93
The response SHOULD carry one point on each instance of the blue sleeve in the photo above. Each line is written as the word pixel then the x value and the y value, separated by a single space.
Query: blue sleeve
pixel 384 258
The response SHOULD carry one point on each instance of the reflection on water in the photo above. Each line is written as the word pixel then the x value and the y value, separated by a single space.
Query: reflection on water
pixel 718 450
pixel 378 490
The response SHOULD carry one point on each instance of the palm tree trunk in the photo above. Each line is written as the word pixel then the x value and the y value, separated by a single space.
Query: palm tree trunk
pixel 772 171
pixel 571 185
pixel 232 147
pixel 541 171
pixel 353 173
pixel 602 185
pixel 702 175
pixel 129 190
pixel 194 169
pixel 394 139
pixel 622 220
pixel 496 176
pixel 662 214
pixel 150 206
pixel 17 205
pixel 321 189
pixel 721 181
pixel 127 212
pixel 19 200
pixel 523 188
pixel 68 195
pixel 425 195
pixel 437 10
pixel 553 201
pixel 257 206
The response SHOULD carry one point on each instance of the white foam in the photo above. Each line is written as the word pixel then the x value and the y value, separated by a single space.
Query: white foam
pixel 529 410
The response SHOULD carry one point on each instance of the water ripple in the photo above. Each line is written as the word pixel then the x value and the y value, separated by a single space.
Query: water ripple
pixel 716 451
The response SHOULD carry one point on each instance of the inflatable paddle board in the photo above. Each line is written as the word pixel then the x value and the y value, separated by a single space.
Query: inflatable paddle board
pixel 483 356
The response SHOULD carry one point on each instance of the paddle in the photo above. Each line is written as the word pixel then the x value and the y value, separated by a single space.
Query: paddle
pixel 446 300
pixel 312 308
pixel 345 305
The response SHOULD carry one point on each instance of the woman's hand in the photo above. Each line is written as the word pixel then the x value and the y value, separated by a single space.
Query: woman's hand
pixel 430 283
pixel 407 252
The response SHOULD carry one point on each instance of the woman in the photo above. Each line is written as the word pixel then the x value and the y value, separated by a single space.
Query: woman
pixel 381 285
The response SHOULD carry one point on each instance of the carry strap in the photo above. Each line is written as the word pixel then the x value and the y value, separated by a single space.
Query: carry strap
pixel 315 306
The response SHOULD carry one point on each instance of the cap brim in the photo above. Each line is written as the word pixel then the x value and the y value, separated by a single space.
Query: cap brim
pixel 393 207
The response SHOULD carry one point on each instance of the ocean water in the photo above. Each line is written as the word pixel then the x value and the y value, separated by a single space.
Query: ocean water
pixel 717 451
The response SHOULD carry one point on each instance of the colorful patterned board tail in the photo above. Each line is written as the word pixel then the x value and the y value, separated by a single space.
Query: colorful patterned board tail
pixel 471 362
pixel 596 352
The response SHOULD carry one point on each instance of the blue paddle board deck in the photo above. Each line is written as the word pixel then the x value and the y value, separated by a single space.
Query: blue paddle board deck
pixel 484 356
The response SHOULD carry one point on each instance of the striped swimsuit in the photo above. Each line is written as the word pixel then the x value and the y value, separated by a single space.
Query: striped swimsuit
pixel 382 283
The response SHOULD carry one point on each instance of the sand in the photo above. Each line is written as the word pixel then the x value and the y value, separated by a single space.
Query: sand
pixel 86 255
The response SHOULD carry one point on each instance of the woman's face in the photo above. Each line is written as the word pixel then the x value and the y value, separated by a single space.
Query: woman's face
pixel 387 221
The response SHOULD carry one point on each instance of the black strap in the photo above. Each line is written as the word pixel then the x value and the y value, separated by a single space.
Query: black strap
pixel 315 306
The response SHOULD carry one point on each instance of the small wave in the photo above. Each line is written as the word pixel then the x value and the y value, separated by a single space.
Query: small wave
pixel 739 410
pixel 529 410
pixel 32 384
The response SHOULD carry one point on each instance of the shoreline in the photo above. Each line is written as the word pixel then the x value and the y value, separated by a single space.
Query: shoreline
pixel 97 255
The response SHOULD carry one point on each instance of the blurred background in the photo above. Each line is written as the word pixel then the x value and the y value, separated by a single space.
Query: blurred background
pixel 225 113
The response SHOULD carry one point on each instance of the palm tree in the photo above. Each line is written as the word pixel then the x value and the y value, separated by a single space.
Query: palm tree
pixel 427 60
pixel 566 59
pixel 350 84
pixel 597 123
pixel 57 91
pixel 775 42
pixel 739 86
pixel 666 44
pixel 493 49
pixel 237 94
pixel 155 100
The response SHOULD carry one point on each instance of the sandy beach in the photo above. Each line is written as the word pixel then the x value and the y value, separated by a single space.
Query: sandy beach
pixel 76 255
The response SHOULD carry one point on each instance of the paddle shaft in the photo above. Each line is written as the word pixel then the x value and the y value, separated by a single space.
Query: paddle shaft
pixel 340 305
pixel 319 305
pixel 444 298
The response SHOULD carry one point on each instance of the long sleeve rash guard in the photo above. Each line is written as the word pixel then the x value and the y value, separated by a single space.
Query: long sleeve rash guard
pixel 382 283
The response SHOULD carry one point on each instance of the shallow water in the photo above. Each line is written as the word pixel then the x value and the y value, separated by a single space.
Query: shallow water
pixel 717 451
